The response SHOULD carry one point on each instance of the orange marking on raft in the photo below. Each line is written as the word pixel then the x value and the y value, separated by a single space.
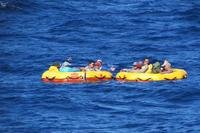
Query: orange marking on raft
pixel 70 80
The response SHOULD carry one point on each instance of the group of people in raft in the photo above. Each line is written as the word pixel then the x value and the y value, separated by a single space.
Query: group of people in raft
pixel 139 67
pixel 92 66
pixel 143 66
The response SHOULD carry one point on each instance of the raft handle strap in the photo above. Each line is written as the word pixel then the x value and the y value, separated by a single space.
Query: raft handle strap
pixel 84 76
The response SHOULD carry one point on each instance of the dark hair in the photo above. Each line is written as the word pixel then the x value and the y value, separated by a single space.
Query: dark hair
pixel 69 59
pixel 148 58
pixel 56 64
pixel 91 61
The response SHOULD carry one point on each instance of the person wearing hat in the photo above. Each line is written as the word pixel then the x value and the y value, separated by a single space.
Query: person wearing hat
pixel 137 65
pixel 140 66
pixel 98 65
pixel 166 67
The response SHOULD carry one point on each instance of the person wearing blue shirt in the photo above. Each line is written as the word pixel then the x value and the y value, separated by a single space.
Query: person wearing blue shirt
pixel 65 67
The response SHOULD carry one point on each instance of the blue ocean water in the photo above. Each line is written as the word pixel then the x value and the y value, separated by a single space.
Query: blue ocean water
pixel 34 34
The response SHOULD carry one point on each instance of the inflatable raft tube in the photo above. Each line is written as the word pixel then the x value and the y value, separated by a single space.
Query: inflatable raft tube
pixel 54 75
pixel 177 74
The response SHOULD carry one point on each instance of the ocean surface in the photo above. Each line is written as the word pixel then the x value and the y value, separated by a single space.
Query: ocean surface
pixel 36 33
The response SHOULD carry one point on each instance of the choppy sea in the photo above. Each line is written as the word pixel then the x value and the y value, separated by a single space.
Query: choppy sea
pixel 36 33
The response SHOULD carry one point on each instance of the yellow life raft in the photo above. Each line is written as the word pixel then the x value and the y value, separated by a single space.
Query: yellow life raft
pixel 54 75
pixel 177 74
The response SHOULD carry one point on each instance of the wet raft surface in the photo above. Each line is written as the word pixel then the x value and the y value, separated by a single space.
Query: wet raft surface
pixel 55 76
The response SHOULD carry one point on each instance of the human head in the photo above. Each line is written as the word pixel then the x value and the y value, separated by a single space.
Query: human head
pixel 137 65
pixel 166 65
pixel 165 62
pixel 69 59
pixel 98 63
pixel 56 64
pixel 91 64
pixel 146 61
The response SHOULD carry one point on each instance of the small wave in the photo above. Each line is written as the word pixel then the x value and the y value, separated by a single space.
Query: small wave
pixel 16 5
pixel 8 6
pixel 186 97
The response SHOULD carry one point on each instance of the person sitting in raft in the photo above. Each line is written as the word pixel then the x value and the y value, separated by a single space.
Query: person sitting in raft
pixel 65 67
pixel 143 67
pixel 89 67
pixel 137 65
pixel 166 67
pixel 56 64
pixel 98 65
